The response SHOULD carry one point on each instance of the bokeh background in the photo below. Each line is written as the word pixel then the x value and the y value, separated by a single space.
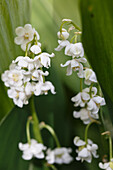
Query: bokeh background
pixel 46 15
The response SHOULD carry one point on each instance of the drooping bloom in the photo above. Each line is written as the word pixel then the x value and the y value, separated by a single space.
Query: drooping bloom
pixel 74 50
pixel 107 165
pixel 43 88
pixel 34 149
pixel 63 35
pixel 75 65
pixel 36 49
pixel 81 98
pixel 85 151
pixel 62 44
pixel 44 59
pixel 94 104
pixel 90 76
pixel 18 95
pixel 59 156
pixel 85 115
pixel 25 62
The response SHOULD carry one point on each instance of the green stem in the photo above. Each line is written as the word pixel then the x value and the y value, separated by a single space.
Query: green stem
pixel 110 147
pixel 86 132
pixel 87 128
pixel 90 91
pixel 36 128
pixel 69 22
pixel 81 84
pixel 28 129
pixel 75 26
pixel 50 129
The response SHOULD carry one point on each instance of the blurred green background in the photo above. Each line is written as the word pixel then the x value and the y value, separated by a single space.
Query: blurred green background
pixel 56 110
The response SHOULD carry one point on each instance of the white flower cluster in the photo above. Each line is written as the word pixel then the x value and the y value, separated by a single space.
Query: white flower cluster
pixel 88 98
pixel 59 156
pixel 85 151
pixel 90 101
pixel 25 76
pixel 76 63
pixel 36 150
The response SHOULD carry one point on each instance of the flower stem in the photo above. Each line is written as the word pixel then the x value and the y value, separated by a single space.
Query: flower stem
pixel 87 128
pixel 36 128
pixel 90 91
pixel 81 84
pixel 50 129
pixel 28 129
pixel 110 147
pixel 69 22
pixel 110 143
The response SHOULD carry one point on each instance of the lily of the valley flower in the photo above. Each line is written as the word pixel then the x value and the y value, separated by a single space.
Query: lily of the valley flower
pixel 85 115
pixel 81 98
pixel 43 88
pixel 34 149
pixel 36 49
pixel 24 62
pixel 37 75
pixel 24 35
pixel 85 151
pixel 75 65
pixel 63 35
pixel 94 104
pixel 62 44
pixel 74 50
pixel 18 95
pixel 107 165
pixel 12 78
pixel 59 156
pixel 90 76
pixel 44 59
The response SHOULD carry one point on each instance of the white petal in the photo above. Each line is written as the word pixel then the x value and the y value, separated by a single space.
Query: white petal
pixel 35 49
pixel 20 31
pixel 19 40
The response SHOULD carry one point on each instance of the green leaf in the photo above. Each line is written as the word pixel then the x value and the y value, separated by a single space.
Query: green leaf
pixel 97 21
pixel 12 14
pixel 12 131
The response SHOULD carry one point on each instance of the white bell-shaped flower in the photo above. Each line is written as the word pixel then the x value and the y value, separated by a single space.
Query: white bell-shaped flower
pixel 18 95
pixel 43 88
pixel 25 62
pixel 34 149
pixel 59 156
pixel 90 76
pixel 94 104
pixel 63 35
pixel 74 50
pixel 36 49
pixel 81 98
pixel 85 115
pixel 12 78
pixel 29 88
pixel 37 75
pixel 106 166
pixel 75 65
pixel 44 59
pixel 62 44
